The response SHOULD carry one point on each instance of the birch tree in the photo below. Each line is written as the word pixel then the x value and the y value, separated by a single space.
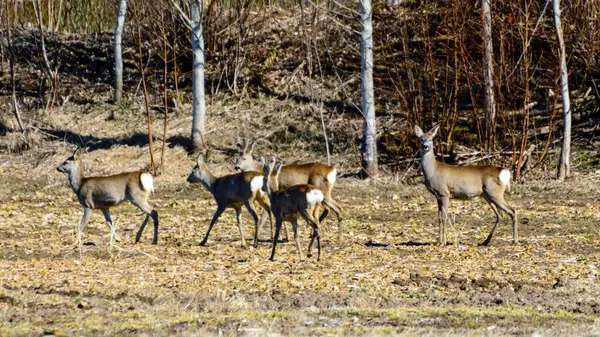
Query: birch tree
pixel 369 142
pixel 199 101
pixel 490 105
pixel 564 166
pixel 118 37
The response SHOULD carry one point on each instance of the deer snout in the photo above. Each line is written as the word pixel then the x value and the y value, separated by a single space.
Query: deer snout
pixel 237 168
pixel 61 169
pixel 192 178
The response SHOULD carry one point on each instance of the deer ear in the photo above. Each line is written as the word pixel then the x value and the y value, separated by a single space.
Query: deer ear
pixel 201 158
pixel 238 144
pixel 262 161
pixel 251 146
pixel 278 167
pixel 77 153
pixel 433 131
pixel 418 131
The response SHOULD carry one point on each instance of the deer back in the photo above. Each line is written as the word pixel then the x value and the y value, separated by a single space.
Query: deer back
pixel 320 175
pixel 103 192
pixel 464 182
pixel 234 188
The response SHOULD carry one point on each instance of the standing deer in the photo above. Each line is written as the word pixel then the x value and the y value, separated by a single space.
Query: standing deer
pixel 105 192
pixel 447 182
pixel 232 191
pixel 320 175
pixel 292 203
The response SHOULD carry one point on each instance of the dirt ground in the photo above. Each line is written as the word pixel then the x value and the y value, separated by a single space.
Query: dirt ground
pixel 386 277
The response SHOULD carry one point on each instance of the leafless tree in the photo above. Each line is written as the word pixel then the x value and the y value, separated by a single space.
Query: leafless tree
pixel 488 69
pixel 198 92
pixel 369 142
pixel 118 37
pixel 564 166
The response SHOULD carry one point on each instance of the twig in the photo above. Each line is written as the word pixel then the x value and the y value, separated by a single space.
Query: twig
pixel 135 251
pixel 142 70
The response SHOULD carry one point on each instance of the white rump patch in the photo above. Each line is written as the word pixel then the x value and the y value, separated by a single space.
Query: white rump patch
pixel 147 182
pixel 314 196
pixel 332 176
pixel 504 176
pixel 256 183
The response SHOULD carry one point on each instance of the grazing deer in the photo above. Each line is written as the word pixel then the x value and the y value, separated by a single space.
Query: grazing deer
pixel 105 192
pixel 320 175
pixel 292 203
pixel 463 182
pixel 232 191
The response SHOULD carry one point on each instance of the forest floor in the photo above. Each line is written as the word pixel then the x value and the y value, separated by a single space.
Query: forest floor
pixel 386 276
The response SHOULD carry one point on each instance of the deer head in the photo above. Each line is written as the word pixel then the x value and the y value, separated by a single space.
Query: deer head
pixel 426 139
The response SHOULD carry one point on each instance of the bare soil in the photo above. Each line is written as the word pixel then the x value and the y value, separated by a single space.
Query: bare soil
pixel 387 276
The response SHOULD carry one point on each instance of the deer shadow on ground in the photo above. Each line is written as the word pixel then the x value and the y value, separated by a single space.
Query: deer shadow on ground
pixel 414 244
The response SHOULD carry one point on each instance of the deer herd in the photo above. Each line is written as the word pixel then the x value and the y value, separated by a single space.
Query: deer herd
pixel 285 193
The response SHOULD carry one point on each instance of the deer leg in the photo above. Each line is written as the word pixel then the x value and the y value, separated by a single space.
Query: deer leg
pixel 113 230
pixel 266 210
pixel 495 209
pixel 212 223
pixel 311 221
pixel 263 219
pixel 443 214
pixel 510 211
pixel 295 228
pixel 252 210
pixel 330 203
pixel 150 213
pixel 238 217
pixel 275 238
pixel 87 213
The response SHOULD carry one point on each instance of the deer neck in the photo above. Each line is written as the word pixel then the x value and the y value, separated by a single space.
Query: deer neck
pixel 75 178
pixel 428 164
pixel 272 187
pixel 207 179
pixel 257 166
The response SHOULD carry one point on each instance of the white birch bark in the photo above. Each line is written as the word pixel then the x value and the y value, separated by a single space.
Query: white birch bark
pixel 198 93
pixel 488 68
pixel 564 166
pixel 118 40
pixel 369 143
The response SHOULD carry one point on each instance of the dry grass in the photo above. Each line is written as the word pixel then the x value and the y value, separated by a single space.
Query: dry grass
pixel 178 288
pixel 408 287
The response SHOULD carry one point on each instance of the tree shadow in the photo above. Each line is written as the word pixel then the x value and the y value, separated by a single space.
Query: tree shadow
pixel 93 143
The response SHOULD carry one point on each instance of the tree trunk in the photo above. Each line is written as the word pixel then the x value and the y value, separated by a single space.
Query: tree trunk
pixel 564 166
pixel 118 36
pixel 198 102
pixel 12 81
pixel 369 143
pixel 490 106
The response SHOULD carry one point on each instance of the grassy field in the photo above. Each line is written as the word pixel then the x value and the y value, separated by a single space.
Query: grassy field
pixel 386 277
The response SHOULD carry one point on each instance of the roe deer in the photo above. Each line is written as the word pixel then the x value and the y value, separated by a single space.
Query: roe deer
pixel 290 204
pixel 447 182
pixel 232 191
pixel 320 175
pixel 105 192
